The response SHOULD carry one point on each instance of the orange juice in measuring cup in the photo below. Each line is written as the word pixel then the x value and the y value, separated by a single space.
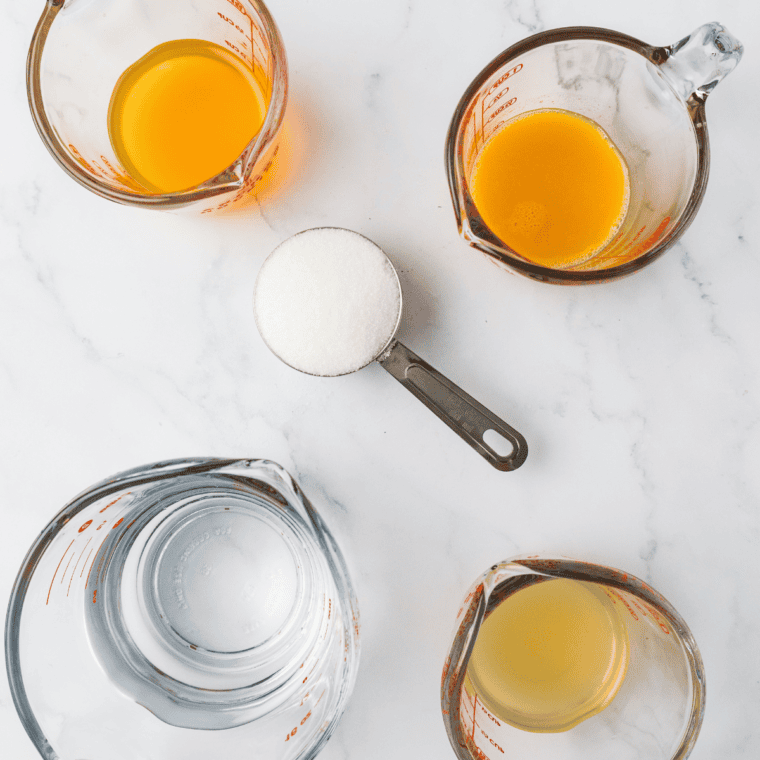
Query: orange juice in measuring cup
pixel 181 106
pixel 581 154
pixel 562 660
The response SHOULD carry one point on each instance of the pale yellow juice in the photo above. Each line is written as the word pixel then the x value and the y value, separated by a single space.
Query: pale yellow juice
pixel 550 656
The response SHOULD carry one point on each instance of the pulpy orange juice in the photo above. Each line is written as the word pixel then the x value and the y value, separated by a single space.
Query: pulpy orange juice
pixel 552 186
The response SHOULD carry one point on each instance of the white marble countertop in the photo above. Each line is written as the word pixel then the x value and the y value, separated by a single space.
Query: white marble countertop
pixel 127 336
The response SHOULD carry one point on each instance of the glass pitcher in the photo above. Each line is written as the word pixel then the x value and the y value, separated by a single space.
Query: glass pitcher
pixel 634 679
pixel 650 101
pixel 185 610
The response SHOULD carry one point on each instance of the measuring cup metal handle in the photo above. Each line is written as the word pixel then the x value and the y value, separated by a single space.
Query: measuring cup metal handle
pixel 462 413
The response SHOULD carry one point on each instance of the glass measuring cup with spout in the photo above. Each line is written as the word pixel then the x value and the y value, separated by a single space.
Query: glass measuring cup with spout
pixel 184 610
pixel 557 659
pixel 229 51
pixel 650 103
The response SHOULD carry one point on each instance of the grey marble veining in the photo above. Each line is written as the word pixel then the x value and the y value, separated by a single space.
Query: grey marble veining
pixel 127 337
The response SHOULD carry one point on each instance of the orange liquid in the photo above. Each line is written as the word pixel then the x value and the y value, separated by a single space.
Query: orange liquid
pixel 552 186
pixel 183 113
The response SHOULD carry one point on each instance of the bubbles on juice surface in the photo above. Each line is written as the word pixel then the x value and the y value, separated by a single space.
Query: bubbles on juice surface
pixel 552 186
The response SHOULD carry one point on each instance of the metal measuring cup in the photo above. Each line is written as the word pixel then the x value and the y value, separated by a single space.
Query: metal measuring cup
pixel 468 418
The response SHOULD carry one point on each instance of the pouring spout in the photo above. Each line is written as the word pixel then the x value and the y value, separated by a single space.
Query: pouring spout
pixel 696 64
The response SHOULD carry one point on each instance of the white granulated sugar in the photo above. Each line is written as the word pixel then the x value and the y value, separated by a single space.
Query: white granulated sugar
pixel 327 301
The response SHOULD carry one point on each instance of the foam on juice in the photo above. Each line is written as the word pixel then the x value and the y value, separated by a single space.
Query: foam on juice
pixel 552 186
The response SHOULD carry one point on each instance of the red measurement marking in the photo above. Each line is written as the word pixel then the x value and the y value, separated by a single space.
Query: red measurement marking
pixel 625 603
pixel 230 22
pixel 67 567
pixel 239 6
pixel 56 572
pixel 657 619
pixel 495 86
pixel 475 724
pixel 492 742
pixel 95 596
pixel 253 50
pixel 109 505
pixel 118 523
pixel 114 173
pixel 242 55
pixel 499 110
pixel 498 97
pixel 73 572
pixel 491 717
pixel 295 730
pixel 80 158
pixel 84 564
pixel 85 526
pixel 101 524
pixel 504 78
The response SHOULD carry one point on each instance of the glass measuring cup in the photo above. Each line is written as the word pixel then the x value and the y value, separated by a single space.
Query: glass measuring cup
pixel 657 711
pixel 184 610
pixel 80 49
pixel 469 419
pixel 649 100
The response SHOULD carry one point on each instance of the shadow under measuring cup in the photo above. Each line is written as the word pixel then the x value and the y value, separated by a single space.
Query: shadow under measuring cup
pixel 327 302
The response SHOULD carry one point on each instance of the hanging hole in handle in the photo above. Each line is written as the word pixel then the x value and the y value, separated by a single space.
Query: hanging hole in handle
pixel 501 445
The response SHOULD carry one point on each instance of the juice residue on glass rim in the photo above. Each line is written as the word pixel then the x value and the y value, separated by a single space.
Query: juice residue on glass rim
pixel 550 656
pixel 183 113
pixel 552 186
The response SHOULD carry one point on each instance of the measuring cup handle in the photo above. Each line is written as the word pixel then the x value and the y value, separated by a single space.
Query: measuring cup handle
pixel 460 411
pixel 695 64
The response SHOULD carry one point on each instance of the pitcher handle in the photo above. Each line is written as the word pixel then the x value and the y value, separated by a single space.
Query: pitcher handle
pixel 696 64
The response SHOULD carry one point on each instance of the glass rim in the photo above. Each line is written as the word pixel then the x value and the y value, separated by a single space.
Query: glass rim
pixel 216 185
pixel 500 251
